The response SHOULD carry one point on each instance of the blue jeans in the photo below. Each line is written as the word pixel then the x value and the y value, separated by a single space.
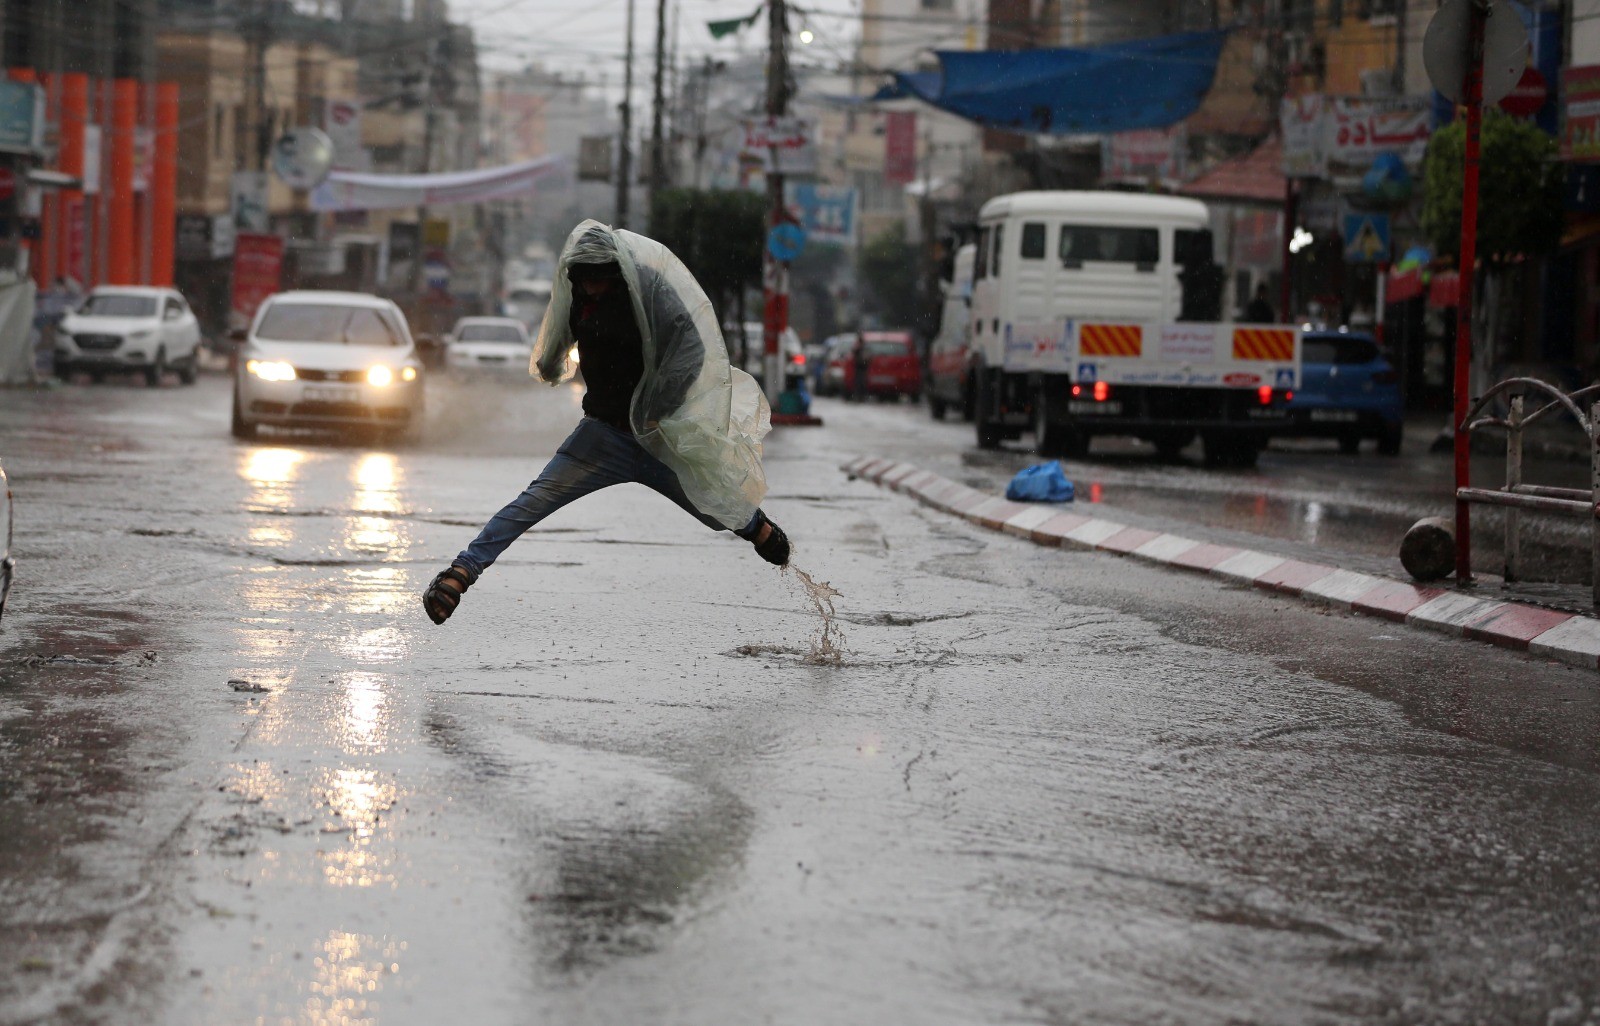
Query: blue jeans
pixel 595 456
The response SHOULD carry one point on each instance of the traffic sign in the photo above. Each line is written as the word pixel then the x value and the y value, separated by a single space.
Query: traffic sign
pixel 1366 238
pixel 786 241
pixel 302 157
pixel 1528 96
pixel 1444 49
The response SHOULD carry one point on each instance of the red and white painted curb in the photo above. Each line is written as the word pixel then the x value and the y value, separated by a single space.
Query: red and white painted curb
pixel 1567 637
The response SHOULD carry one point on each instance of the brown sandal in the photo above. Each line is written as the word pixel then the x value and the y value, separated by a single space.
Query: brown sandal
pixel 444 594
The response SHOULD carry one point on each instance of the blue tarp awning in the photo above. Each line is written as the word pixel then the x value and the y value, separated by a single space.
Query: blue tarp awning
pixel 1143 83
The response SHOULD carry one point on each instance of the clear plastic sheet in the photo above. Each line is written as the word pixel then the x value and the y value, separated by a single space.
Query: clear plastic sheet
pixel 694 412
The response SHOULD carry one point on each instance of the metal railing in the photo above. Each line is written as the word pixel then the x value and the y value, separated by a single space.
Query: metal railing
pixel 1518 495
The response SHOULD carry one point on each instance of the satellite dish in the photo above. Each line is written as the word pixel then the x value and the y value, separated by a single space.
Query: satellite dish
pixel 302 157
pixel 1505 49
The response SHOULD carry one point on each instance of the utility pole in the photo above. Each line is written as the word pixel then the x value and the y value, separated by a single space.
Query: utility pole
pixel 658 154
pixel 419 258
pixel 624 155
pixel 775 273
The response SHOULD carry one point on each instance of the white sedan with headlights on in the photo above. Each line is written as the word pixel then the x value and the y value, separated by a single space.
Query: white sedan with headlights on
pixel 499 344
pixel 328 360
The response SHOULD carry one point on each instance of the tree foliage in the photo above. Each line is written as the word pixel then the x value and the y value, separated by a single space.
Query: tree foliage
pixel 718 234
pixel 889 276
pixel 1519 189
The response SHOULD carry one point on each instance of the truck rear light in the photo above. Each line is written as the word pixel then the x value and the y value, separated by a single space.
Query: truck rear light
pixel 798 359
pixel 1102 391
pixel 1077 390
pixel 1264 394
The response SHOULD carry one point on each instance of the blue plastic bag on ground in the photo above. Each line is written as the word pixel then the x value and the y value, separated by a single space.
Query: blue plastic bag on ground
pixel 1043 482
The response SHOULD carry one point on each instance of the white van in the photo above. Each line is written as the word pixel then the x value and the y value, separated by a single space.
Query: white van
pixel 1098 313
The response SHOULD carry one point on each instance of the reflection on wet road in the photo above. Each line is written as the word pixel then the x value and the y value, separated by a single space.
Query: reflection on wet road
pixel 618 787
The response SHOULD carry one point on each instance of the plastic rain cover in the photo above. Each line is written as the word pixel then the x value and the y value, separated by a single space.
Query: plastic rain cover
pixel 692 411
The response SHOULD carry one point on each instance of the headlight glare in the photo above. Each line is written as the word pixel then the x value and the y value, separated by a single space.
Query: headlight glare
pixel 408 374
pixel 270 370
pixel 380 376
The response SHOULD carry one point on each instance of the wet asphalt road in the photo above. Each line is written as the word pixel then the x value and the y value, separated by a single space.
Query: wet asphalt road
pixel 1041 786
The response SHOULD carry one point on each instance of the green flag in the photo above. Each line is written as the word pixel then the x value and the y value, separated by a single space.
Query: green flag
pixel 728 26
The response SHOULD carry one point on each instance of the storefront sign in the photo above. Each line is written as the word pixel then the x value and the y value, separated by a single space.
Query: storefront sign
pixel 205 236
pixel 826 212
pixel 249 201
pixel 341 120
pixel 257 273
pixel 782 145
pixel 1350 131
pixel 900 147
pixel 1301 120
pixel 1580 123
pixel 91 160
pixel 1357 129
pixel 72 211
pixel 1148 153
pixel 21 117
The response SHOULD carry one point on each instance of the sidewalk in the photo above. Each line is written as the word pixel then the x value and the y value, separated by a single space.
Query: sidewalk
pixel 1555 634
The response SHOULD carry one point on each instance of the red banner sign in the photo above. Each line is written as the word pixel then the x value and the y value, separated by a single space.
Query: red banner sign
pixel 257 273
pixel 900 147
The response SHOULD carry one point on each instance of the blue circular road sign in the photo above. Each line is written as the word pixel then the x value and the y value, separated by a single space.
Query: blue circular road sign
pixel 786 241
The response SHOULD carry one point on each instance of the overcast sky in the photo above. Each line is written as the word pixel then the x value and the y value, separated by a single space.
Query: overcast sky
pixel 588 36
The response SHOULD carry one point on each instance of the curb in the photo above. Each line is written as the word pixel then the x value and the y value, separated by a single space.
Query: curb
pixel 1566 637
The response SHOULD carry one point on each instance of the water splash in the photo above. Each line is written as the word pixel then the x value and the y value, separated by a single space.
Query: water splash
pixel 828 647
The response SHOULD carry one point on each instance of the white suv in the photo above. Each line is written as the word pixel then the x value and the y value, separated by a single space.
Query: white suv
pixel 117 329
pixel 328 360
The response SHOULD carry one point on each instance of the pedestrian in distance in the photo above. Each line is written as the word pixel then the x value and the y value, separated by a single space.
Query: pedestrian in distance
pixel 663 408
pixel 1259 310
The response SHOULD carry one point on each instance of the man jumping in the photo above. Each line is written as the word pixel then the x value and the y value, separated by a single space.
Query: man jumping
pixel 663 408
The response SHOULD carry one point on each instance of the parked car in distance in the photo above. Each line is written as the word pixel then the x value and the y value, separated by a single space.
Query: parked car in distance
pixel 893 367
pixel 129 329
pixel 328 360
pixel 749 340
pixel 497 344
pixel 818 367
pixel 1348 391
pixel 8 565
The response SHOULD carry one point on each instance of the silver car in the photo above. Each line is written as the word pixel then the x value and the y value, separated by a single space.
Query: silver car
pixel 328 360
pixel 494 344
pixel 122 329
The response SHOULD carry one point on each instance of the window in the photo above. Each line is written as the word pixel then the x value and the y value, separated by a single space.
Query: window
pixel 980 259
pixel 1325 349
pixel 1110 245
pixel 1033 241
pixel 323 322
pixel 117 304
pixel 491 333
pixel 999 244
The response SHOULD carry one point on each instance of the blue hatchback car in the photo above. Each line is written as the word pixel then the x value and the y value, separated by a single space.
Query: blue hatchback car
pixel 1348 391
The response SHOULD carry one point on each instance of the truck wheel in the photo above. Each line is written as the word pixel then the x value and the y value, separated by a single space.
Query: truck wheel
pixel 936 407
pixel 1230 449
pixel 1170 444
pixel 989 433
pixel 969 402
pixel 1050 436
pixel 1389 440
pixel 153 373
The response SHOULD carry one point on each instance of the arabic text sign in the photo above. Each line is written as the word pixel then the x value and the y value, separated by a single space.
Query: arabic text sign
pixel 781 145
pixel 828 213
pixel 1146 153
pixel 1301 120
pixel 1358 129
